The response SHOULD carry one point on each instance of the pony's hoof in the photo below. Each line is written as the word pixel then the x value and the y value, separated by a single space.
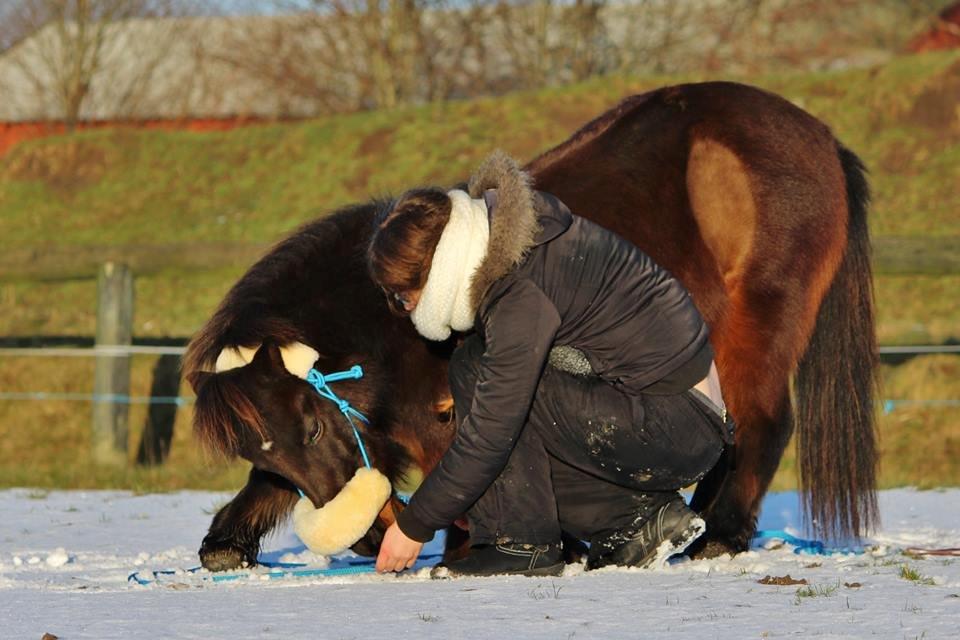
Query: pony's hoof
pixel 440 572
pixel 574 551
pixel 224 558
pixel 703 549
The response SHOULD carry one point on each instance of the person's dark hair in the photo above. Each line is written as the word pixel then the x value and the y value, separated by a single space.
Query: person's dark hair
pixel 404 239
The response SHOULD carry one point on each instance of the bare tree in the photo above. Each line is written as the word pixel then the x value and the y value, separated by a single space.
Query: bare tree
pixel 62 46
pixel 762 35
pixel 587 42
pixel 546 42
pixel 344 55
pixel 12 28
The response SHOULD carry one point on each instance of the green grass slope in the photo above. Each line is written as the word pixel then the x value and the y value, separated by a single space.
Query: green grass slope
pixel 123 186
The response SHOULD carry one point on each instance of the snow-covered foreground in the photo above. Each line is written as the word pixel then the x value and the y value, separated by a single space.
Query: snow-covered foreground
pixel 65 557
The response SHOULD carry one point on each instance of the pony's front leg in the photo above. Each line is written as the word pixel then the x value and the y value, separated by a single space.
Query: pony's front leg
pixel 235 533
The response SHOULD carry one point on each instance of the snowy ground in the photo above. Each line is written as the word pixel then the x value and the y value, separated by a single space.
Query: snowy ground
pixel 65 557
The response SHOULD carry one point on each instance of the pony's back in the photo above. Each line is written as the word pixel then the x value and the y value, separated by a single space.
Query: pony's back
pixel 287 294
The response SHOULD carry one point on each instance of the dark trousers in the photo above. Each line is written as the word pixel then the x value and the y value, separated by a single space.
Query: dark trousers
pixel 591 459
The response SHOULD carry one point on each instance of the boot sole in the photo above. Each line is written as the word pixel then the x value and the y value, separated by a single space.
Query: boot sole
pixel 552 570
pixel 444 573
pixel 676 543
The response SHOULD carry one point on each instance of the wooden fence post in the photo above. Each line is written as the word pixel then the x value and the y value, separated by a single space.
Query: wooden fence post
pixel 112 373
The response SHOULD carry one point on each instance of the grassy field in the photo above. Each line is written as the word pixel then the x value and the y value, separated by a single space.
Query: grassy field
pixel 253 185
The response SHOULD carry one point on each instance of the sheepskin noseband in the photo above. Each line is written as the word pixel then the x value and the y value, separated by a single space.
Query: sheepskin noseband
pixel 343 520
pixel 337 525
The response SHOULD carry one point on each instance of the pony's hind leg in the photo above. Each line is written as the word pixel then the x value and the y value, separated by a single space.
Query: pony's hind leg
pixel 777 232
pixel 235 533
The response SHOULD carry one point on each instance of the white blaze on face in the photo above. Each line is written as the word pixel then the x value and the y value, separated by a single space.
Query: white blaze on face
pixel 341 522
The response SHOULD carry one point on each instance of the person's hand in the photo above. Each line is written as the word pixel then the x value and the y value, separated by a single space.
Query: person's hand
pixel 397 551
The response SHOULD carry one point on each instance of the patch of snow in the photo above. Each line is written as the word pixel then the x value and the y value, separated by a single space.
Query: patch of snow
pixel 58 558
pixel 84 593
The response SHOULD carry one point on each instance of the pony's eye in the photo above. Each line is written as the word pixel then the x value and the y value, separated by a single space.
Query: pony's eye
pixel 316 434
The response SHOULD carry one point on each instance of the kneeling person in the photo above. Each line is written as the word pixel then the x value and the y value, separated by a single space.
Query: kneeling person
pixel 586 393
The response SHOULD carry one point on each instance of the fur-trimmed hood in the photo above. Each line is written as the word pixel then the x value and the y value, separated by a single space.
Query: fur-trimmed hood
pixel 515 227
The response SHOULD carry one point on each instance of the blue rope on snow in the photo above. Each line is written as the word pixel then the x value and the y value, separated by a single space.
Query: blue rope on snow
pixel 276 570
pixel 801 545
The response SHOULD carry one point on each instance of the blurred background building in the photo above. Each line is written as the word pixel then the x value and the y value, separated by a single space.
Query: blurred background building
pixel 201 65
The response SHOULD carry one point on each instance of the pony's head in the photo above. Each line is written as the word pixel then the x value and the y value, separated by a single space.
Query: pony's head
pixel 258 405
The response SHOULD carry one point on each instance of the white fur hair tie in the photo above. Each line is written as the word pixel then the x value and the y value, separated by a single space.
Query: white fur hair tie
pixel 445 301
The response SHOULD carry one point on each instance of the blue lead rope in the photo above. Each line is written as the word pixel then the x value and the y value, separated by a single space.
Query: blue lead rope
pixel 277 570
pixel 801 546
pixel 321 382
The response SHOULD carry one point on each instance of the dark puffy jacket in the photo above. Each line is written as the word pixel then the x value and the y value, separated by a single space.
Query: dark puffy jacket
pixel 549 279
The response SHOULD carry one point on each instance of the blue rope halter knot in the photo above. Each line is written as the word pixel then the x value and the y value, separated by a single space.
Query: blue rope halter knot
pixel 321 383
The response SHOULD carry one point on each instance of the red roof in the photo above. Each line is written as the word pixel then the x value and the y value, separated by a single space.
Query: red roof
pixel 944 33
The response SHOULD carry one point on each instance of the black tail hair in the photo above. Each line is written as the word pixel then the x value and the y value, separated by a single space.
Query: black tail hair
pixel 836 384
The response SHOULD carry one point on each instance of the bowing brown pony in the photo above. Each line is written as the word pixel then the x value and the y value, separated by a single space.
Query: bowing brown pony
pixel 751 202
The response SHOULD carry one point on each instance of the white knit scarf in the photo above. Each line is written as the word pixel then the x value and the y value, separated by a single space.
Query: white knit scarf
pixel 445 300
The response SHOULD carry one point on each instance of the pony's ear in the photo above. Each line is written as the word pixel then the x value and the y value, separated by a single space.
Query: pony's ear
pixel 197 379
pixel 268 358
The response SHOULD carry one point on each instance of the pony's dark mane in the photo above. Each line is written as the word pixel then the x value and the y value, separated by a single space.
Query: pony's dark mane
pixel 222 406
pixel 264 305
pixel 257 305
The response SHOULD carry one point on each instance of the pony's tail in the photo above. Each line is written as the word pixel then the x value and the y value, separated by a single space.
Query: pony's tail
pixel 835 386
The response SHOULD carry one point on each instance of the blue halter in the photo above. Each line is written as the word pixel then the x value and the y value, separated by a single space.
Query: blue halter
pixel 320 382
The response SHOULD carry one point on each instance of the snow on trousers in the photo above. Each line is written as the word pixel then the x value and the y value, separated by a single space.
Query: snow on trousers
pixel 590 460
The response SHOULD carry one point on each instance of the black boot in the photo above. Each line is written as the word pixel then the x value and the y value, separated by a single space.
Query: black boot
pixel 650 542
pixel 509 558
